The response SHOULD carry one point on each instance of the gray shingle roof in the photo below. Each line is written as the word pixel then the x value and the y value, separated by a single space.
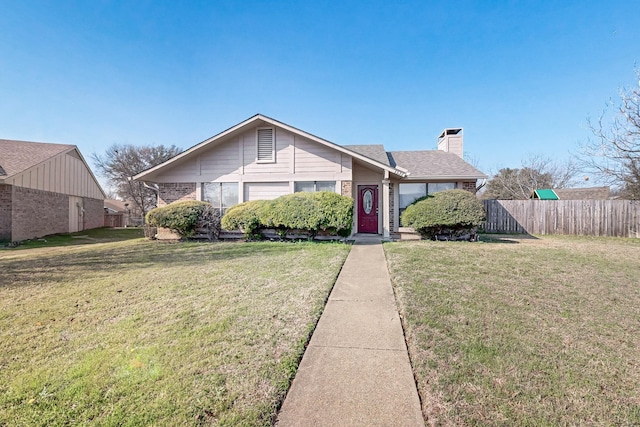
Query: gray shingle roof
pixel 434 164
pixel 373 151
pixel 590 193
pixel 18 156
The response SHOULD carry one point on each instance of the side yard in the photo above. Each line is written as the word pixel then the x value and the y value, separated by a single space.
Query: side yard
pixel 147 333
pixel 523 332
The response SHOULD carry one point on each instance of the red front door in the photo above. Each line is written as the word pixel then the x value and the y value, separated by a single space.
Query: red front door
pixel 368 209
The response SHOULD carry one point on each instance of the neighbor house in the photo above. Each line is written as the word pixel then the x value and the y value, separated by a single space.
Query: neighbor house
pixel 262 158
pixel 46 189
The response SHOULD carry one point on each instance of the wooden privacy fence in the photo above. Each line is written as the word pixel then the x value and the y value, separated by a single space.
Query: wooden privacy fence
pixel 616 218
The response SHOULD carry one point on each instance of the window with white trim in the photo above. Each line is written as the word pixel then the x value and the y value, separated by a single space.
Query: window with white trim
pixel 265 151
pixel 312 186
pixel 221 195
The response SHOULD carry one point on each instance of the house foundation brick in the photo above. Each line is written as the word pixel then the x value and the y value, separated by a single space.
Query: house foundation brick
pixel 5 212
pixel 176 192
pixel 93 213
pixel 469 186
pixel 38 213
pixel 347 189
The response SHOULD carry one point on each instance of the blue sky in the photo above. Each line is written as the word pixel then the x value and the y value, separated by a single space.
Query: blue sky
pixel 520 77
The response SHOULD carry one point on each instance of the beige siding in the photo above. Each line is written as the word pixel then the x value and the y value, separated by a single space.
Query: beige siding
pixel 65 174
pixel 186 171
pixel 284 140
pixel 220 161
pixel 265 190
pixel 315 158
pixel 363 175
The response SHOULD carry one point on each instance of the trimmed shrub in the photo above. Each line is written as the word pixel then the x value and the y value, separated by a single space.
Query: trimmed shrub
pixel 185 217
pixel 336 212
pixel 246 217
pixel 299 212
pixel 450 215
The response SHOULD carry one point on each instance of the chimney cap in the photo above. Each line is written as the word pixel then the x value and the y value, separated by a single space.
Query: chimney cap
pixel 450 131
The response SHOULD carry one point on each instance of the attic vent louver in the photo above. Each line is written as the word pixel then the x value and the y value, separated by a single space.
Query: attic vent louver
pixel 266 145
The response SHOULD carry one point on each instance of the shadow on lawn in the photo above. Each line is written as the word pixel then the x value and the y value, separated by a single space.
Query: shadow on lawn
pixel 505 238
pixel 118 259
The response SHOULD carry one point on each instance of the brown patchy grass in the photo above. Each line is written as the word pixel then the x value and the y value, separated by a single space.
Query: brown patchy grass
pixel 527 332
pixel 144 333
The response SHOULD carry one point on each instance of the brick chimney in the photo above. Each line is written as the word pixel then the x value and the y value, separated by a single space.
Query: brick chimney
pixel 450 140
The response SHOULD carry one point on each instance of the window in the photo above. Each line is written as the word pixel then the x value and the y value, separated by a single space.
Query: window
pixel 435 187
pixel 265 145
pixel 221 195
pixel 408 193
pixel 311 186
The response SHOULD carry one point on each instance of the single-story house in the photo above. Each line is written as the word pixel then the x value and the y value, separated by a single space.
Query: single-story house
pixel 262 158
pixel 46 189
pixel 586 193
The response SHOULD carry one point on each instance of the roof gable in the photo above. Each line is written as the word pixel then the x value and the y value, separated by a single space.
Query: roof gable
pixel 18 156
pixel 258 120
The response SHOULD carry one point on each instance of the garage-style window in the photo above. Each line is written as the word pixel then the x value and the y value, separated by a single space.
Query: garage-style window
pixel 221 195
pixel 311 186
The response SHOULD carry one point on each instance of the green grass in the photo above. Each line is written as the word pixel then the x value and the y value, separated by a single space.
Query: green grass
pixel 137 332
pixel 96 235
pixel 527 332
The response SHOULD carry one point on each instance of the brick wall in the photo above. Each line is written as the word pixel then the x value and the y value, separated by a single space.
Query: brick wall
pixel 93 213
pixel 37 213
pixel 469 186
pixel 5 212
pixel 174 192
pixel 347 189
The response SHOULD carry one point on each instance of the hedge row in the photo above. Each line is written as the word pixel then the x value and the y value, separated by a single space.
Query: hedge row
pixel 450 214
pixel 309 213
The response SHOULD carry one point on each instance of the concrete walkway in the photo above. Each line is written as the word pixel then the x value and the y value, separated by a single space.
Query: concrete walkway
pixel 356 370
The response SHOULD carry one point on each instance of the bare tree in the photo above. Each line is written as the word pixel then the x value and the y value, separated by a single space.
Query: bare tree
pixel 535 172
pixel 122 161
pixel 614 153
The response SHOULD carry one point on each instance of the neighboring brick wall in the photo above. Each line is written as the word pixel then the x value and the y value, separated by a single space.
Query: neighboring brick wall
pixel 469 186
pixel 174 192
pixel 5 212
pixel 347 189
pixel 93 213
pixel 37 213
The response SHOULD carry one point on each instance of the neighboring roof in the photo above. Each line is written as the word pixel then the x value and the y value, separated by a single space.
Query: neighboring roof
pixel 588 193
pixel 114 205
pixel 374 151
pixel 257 120
pixel 18 156
pixel 434 164
pixel 544 194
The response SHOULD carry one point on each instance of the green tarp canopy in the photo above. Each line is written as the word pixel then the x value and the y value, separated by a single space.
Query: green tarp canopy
pixel 544 195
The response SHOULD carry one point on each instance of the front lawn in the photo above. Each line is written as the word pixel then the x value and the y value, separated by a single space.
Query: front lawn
pixel 147 333
pixel 525 332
